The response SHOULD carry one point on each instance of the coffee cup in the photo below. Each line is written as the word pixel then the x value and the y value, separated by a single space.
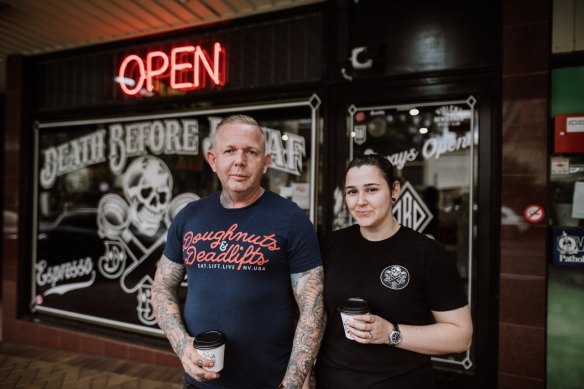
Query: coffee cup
pixel 351 307
pixel 211 345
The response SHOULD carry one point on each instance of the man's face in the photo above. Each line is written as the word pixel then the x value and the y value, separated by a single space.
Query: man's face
pixel 239 159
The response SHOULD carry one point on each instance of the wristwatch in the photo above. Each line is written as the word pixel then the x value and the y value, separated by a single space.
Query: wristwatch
pixel 395 336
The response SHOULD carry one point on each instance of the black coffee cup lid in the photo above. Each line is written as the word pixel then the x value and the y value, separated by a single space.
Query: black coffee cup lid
pixel 354 305
pixel 209 339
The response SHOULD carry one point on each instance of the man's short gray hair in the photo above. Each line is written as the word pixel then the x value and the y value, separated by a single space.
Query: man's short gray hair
pixel 241 119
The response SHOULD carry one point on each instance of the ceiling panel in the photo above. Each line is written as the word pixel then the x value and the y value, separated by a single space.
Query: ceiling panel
pixel 41 26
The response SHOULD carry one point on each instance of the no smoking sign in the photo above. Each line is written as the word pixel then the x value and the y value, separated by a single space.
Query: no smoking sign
pixel 534 213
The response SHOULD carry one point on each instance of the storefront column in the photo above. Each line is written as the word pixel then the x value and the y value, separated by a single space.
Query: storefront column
pixel 523 270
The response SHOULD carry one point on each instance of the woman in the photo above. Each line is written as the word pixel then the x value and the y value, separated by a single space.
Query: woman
pixel 417 304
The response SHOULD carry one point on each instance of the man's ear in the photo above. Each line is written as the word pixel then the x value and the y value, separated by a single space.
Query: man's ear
pixel 267 161
pixel 211 159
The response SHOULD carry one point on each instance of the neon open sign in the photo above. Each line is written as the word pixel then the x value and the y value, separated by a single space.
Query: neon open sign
pixel 184 68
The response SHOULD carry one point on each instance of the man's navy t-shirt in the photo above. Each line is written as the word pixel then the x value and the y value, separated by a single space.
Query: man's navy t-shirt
pixel 238 263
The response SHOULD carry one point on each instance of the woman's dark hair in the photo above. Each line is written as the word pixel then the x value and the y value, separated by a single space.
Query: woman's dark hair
pixel 378 161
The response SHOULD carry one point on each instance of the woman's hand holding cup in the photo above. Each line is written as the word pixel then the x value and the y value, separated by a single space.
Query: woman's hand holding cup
pixel 369 329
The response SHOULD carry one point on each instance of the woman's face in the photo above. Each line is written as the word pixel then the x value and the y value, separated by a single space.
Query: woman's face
pixel 368 197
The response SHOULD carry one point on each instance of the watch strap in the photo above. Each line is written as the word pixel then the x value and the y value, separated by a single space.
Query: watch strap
pixel 394 331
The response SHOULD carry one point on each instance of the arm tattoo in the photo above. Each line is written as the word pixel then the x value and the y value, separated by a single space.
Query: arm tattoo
pixel 307 287
pixel 168 278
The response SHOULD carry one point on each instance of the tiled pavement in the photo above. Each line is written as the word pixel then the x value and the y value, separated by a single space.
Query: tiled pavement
pixel 31 368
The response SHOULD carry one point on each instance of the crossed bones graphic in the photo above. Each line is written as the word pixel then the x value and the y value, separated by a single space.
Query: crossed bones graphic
pixel 128 226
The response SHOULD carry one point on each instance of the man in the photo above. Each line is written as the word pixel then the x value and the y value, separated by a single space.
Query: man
pixel 248 254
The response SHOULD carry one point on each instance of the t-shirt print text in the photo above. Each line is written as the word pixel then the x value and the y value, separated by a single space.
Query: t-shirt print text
pixel 395 277
pixel 228 249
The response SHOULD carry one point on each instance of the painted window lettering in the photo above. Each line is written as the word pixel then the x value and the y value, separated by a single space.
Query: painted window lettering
pixel 157 136
pixel 435 147
pixel 69 156
pixel 400 159
pixel 286 158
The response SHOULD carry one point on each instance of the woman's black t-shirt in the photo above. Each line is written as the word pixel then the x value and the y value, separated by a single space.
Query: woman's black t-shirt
pixel 403 278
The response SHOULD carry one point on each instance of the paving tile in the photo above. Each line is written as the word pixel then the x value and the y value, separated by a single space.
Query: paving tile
pixel 24 367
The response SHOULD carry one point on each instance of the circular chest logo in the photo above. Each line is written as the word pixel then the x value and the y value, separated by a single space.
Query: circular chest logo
pixel 395 277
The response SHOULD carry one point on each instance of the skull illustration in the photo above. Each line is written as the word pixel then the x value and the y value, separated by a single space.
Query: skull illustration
pixel 395 271
pixel 148 187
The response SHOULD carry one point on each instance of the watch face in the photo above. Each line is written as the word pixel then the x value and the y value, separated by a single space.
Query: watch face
pixel 395 337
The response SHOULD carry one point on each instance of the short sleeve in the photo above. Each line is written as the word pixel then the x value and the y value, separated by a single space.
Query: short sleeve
pixel 173 248
pixel 445 291
pixel 303 247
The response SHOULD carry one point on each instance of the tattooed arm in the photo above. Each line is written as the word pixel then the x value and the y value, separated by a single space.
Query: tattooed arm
pixel 307 287
pixel 168 278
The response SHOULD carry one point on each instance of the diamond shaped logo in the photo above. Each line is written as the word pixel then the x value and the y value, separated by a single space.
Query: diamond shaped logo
pixel 410 210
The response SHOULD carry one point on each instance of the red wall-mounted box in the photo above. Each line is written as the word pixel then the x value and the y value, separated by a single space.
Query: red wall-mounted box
pixel 569 133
